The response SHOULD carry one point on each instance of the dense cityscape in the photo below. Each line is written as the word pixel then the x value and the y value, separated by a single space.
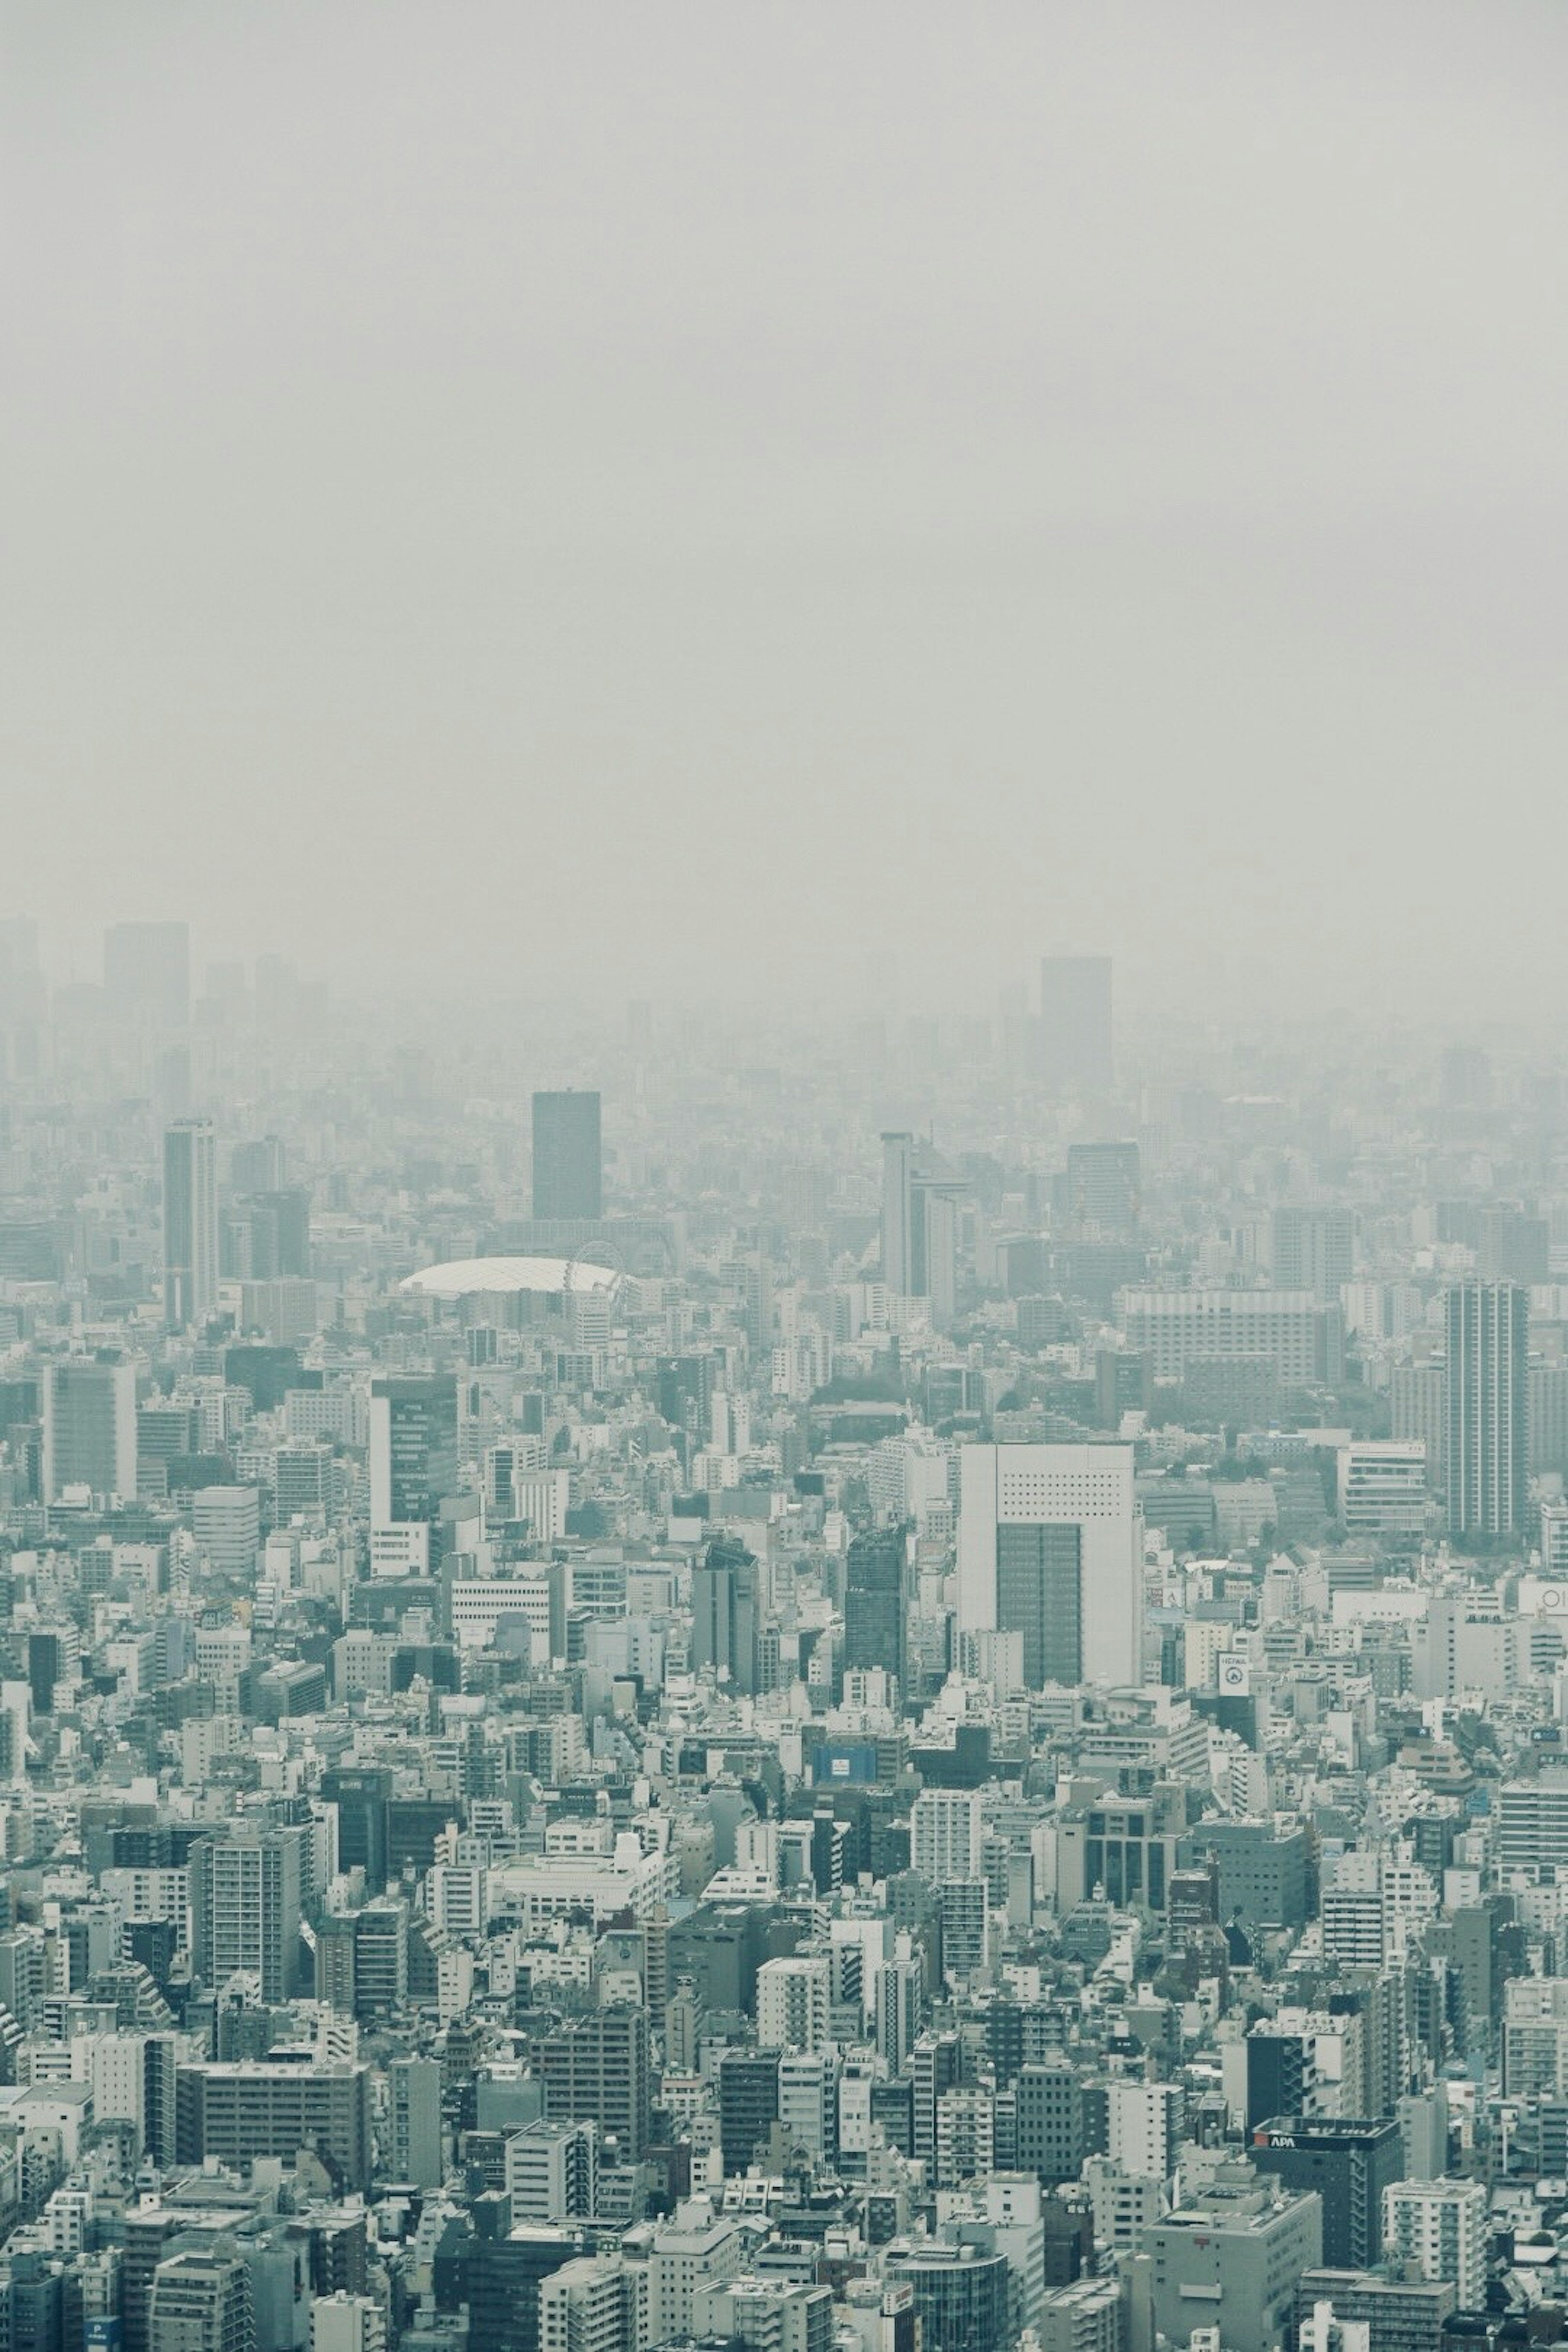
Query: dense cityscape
pixel 888 1684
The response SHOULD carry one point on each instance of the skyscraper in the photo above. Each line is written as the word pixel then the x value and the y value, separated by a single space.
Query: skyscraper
pixel 873 1601
pixel 147 973
pixel 899 1252
pixel 568 1166
pixel 1484 1452
pixel 920 1227
pixel 190 1222
pixel 1075 1023
pixel 725 1612
pixel 1049 1547
pixel 412 1448
pixel 90 1425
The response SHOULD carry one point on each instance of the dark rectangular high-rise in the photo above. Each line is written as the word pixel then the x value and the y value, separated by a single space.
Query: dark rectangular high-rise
pixel 1075 1023
pixel 190 1222
pixel 1485 1452
pixel 413 1447
pixel 568 1168
pixel 873 1601
pixel 1349 2163
pixel 597 2067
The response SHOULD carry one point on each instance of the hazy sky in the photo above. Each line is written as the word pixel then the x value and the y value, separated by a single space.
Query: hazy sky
pixel 705 496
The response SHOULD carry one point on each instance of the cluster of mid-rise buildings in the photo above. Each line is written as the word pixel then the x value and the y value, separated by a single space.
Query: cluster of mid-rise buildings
pixel 887 1691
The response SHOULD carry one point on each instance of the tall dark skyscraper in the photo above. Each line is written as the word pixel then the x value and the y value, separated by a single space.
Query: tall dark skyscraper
pixel 412 1448
pixel 1485 1452
pixel 873 1603
pixel 568 1172
pixel 1075 1023
pixel 190 1222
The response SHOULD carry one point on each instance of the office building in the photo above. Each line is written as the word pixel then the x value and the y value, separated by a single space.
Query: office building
pixel 748 2103
pixel 1418 1413
pixel 414 2115
pixel 552 2171
pixel 1349 2164
pixel 568 1166
pixel 507 2271
pixel 200 2302
pixel 1383 1489
pixel 945 1832
pixel 1050 1546
pixel 1312 1249
pixel 1487 1453
pixel 794 2002
pixel 147 974
pixel 920 1227
pixel 362 1794
pixel 1535 2037
pixel 1075 1032
pixel 227 1524
pixel 598 2068
pixel 279 1235
pixel 245 1895
pixel 1513 1245
pixel 764 2314
pixel 1533 1827
pixel 961 2293
pixel 692 2249
pixel 874 1603
pixel 237 2110
pixel 726 1611
pixel 189 1223
pixel 597 2303
pixel 1049 2104
pixel 1085 2316
pixel 1292 1333
pixel 90 1425
pixel 412 1448
pixel 1399 2315
pixel 1237 2258
pixel 1103 1191
pixel 1438 2230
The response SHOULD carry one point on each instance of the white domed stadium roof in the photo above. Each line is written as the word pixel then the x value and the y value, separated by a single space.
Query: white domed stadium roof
pixel 466 1277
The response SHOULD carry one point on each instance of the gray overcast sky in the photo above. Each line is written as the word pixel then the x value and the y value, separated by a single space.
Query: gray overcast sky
pixel 704 494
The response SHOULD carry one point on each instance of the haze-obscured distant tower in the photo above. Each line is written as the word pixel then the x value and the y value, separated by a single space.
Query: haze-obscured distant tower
pixel 568 1168
pixel 147 973
pixel 190 1222
pixel 920 1227
pixel 899 1251
pixel 1314 1249
pixel 1075 1023
pixel 1485 1452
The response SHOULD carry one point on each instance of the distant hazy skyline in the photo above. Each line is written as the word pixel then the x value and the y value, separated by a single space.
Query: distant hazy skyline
pixel 753 498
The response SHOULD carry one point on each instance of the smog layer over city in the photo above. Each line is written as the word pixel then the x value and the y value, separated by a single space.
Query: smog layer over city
pixel 784 1178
